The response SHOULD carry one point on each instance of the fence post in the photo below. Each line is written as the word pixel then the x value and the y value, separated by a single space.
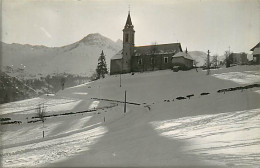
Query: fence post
pixel 125 103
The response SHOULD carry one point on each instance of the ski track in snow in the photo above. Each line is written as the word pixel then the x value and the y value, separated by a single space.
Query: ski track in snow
pixel 232 138
pixel 247 77
pixel 50 151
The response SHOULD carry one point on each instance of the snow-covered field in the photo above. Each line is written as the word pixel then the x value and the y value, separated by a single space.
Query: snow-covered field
pixel 245 77
pixel 40 153
pixel 233 136
pixel 217 129
pixel 29 106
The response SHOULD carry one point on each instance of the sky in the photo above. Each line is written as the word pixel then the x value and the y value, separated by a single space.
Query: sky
pixel 200 25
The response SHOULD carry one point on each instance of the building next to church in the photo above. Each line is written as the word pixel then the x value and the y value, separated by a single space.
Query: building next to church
pixel 147 58
pixel 256 53
pixel 238 58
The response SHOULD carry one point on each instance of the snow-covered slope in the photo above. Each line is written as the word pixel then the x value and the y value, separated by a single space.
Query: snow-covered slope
pixel 77 58
pixel 218 129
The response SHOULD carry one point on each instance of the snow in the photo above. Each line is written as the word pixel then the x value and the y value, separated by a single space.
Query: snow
pixel 27 133
pixel 246 77
pixel 84 84
pixel 77 125
pixel 212 130
pixel 29 106
pixel 94 105
pixel 257 91
pixel 51 150
pixel 80 93
pixel 218 136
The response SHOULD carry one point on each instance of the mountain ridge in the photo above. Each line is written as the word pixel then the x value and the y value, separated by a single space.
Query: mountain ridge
pixel 79 57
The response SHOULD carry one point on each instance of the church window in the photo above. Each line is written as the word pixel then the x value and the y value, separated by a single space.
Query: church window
pixel 140 61
pixel 165 59
pixel 126 38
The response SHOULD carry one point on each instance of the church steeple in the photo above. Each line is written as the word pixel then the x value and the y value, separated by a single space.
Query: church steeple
pixel 128 44
pixel 128 23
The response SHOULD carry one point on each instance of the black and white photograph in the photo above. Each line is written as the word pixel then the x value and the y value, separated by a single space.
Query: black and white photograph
pixel 130 83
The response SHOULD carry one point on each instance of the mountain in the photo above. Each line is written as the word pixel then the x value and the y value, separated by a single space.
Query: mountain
pixel 77 58
pixel 199 56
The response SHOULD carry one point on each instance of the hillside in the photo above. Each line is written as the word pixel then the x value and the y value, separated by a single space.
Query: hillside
pixel 86 124
pixel 200 57
pixel 12 89
pixel 77 58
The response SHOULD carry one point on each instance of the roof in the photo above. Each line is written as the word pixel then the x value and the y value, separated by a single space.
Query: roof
pixel 257 46
pixel 183 54
pixel 118 55
pixel 237 55
pixel 128 23
pixel 256 51
pixel 159 49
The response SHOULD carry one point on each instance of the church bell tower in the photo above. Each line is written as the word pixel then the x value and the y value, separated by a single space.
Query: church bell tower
pixel 128 44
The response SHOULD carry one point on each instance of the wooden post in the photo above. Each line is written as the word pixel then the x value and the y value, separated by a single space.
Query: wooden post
pixel 208 66
pixel 125 103
pixel 120 79
pixel 43 134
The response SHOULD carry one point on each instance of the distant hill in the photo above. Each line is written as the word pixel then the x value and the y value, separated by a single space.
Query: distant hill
pixel 201 57
pixel 198 56
pixel 12 89
pixel 78 58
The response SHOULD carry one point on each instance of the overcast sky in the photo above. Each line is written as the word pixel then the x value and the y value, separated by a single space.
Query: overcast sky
pixel 196 24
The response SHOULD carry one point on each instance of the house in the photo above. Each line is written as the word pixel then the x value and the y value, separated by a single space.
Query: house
pixel 238 58
pixel 144 58
pixel 182 59
pixel 256 53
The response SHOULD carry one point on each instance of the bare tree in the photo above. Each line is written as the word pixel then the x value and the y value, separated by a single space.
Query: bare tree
pixel 41 112
pixel 227 59
pixel 214 61
pixel 153 50
pixel 195 63
pixel 62 81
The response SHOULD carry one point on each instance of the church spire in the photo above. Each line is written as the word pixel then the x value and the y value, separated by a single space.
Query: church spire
pixel 128 23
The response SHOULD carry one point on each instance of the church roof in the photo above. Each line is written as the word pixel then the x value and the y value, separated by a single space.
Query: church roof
pixel 257 46
pixel 183 54
pixel 118 55
pixel 159 49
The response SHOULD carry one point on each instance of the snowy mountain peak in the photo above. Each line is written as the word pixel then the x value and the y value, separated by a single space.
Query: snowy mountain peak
pixel 77 58
pixel 95 38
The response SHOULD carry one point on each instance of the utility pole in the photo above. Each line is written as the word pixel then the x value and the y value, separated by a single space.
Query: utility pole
pixel 121 72
pixel 125 103
pixel 208 66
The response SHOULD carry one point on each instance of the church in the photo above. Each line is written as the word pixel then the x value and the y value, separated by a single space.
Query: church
pixel 147 58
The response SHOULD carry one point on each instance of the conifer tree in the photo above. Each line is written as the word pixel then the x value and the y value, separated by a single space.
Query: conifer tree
pixel 102 66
